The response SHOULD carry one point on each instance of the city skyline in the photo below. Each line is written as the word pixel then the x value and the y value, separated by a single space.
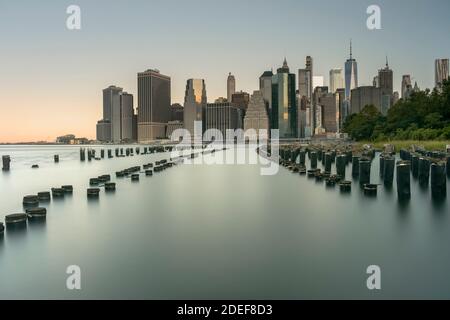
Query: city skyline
pixel 64 76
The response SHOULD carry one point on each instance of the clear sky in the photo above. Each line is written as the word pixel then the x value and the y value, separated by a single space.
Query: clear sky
pixel 51 78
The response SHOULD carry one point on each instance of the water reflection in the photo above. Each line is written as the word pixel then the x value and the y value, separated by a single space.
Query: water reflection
pixel 184 228
pixel 38 223
pixel 403 205
pixel 17 231
pixel 439 206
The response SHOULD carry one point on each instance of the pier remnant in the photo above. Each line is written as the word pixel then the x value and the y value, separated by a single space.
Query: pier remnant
pixel 370 189
pixel 30 201
pixel 44 196
pixel 58 192
pixel 313 156
pixel 341 162
pixel 424 171
pixel 6 160
pixel 16 220
pixel 36 213
pixel 438 181
pixel 403 180
pixel 345 186
pixel 110 186
pixel 415 165
pixel 389 168
pixel 67 189
pixel 355 166
pixel 382 157
pixel 364 172
pixel 93 192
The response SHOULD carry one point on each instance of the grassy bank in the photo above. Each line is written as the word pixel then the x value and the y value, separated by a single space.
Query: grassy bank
pixel 405 144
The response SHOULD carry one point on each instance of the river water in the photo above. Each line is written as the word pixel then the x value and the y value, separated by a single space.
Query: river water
pixel 216 232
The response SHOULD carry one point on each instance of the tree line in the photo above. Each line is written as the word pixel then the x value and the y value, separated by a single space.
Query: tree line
pixel 425 115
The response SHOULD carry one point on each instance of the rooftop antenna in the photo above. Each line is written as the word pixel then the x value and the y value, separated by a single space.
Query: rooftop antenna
pixel 351 54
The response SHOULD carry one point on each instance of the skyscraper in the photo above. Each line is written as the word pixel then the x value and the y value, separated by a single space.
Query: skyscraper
pixel 221 117
pixel 330 112
pixel 256 116
pixel 153 105
pixel 319 91
pixel 117 122
pixel 194 103
pixel 231 86
pixel 309 67
pixel 305 89
pixel 364 96
pixel 351 74
pixel 111 111
pixel 441 72
pixel 176 112
pixel 265 86
pixel 284 104
pixel 103 130
pixel 406 85
pixel 336 80
pixel 343 112
pixel 386 85
pixel 126 116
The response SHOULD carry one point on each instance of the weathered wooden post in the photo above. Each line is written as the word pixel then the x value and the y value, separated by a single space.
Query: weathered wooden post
pixel 6 160
pixel 424 171
pixel 82 154
pixel 364 172
pixel 313 155
pixel 328 161
pixel 382 157
pixel 438 181
pixel 302 157
pixel 415 165
pixel 389 166
pixel 403 180
pixel 340 165
pixel 355 166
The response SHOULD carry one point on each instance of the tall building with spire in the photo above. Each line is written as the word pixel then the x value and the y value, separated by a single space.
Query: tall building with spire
pixel 386 85
pixel 351 74
pixel 284 104
pixel 386 79
pixel 305 89
pixel 231 86
pixel 351 80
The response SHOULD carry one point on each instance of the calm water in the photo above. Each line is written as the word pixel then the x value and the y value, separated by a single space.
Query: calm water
pixel 220 231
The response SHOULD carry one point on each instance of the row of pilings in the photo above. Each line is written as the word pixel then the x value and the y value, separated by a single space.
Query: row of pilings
pixel 33 205
pixel 91 154
pixel 430 168
pixel 121 152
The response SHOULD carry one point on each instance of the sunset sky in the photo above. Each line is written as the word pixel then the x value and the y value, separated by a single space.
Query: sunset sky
pixel 52 78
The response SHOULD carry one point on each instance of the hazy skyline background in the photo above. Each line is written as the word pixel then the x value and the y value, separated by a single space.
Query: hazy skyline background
pixel 52 78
